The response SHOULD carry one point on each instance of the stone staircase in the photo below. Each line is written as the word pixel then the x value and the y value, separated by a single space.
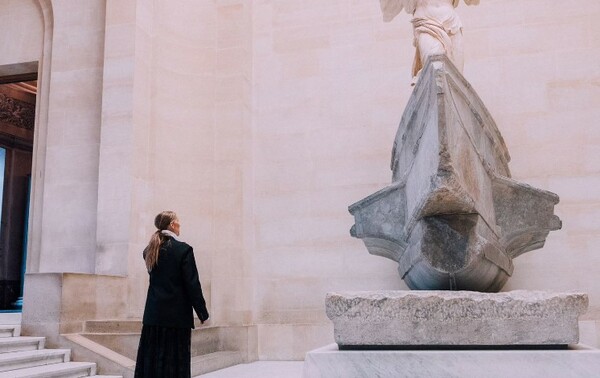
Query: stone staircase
pixel 22 356
pixel 115 342
pixel 215 361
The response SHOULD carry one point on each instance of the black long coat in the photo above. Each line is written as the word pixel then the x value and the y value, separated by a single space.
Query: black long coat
pixel 174 288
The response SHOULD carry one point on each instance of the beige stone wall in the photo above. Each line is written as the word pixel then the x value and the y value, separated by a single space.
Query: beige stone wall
pixel 259 122
pixel 22 40
pixel 21 31
pixel 232 276
pixel 535 65
pixel 173 131
pixel 67 39
pixel 328 95
pixel 192 136
pixel 72 137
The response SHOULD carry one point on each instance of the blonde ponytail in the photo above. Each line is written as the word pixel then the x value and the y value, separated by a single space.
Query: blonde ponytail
pixel 162 222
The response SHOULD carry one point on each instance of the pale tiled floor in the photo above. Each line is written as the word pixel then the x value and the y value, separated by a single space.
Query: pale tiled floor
pixel 260 369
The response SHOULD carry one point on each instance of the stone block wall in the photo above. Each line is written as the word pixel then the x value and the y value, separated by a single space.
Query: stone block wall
pixel 328 97
pixel 259 122
pixel 72 138
pixel 18 46
pixel 535 66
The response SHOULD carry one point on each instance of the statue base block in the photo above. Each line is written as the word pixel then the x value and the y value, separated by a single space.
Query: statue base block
pixel 424 319
pixel 330 362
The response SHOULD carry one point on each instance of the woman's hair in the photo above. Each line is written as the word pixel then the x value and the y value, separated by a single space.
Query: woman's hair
pixel 162 222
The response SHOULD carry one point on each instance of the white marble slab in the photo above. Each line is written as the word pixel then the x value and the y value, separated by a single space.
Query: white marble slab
pixel 575 362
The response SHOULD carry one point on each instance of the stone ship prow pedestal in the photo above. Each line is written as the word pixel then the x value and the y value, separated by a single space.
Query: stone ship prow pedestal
pixel 452 218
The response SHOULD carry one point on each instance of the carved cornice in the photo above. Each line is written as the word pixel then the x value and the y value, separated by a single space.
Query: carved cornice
pixel 16 113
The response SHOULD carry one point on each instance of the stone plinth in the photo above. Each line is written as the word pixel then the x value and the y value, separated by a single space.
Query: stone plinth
pixel 460 318
pixel 329 362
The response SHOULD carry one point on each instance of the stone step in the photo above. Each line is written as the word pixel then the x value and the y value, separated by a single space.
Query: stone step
pixel 10 330
pixel 125 344
pixel 121 326
pixel 62 370
pixel 13 318
pixel 112 326
pixel 204 340
pixel 215 361
pixel 30 358
pixel 20 343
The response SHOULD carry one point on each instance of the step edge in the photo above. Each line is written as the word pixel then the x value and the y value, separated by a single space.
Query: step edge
pixel 65 367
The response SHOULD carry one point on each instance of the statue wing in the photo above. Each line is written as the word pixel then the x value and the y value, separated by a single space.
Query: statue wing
pixel 391 8
pixel 472 2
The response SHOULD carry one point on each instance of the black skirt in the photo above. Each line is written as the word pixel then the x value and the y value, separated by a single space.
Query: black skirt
pixel 164 352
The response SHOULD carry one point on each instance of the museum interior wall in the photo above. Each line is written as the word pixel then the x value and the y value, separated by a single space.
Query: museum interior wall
pixel 259 122
pixel 16 137
pixel 72 138
pixel 330 83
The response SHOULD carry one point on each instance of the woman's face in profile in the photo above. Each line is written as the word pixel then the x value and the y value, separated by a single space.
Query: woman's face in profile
pixel 174 226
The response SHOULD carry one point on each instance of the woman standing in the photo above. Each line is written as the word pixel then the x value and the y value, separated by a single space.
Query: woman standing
pixel 174 290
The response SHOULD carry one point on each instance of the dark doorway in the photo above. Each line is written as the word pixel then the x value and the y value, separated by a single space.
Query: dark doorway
pixel 17 118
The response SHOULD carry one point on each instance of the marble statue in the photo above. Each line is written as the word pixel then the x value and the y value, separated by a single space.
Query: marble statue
pixel 437 28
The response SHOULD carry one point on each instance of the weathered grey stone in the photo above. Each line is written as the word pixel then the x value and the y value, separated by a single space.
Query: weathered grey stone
pixel 404 318
pixel 452 217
